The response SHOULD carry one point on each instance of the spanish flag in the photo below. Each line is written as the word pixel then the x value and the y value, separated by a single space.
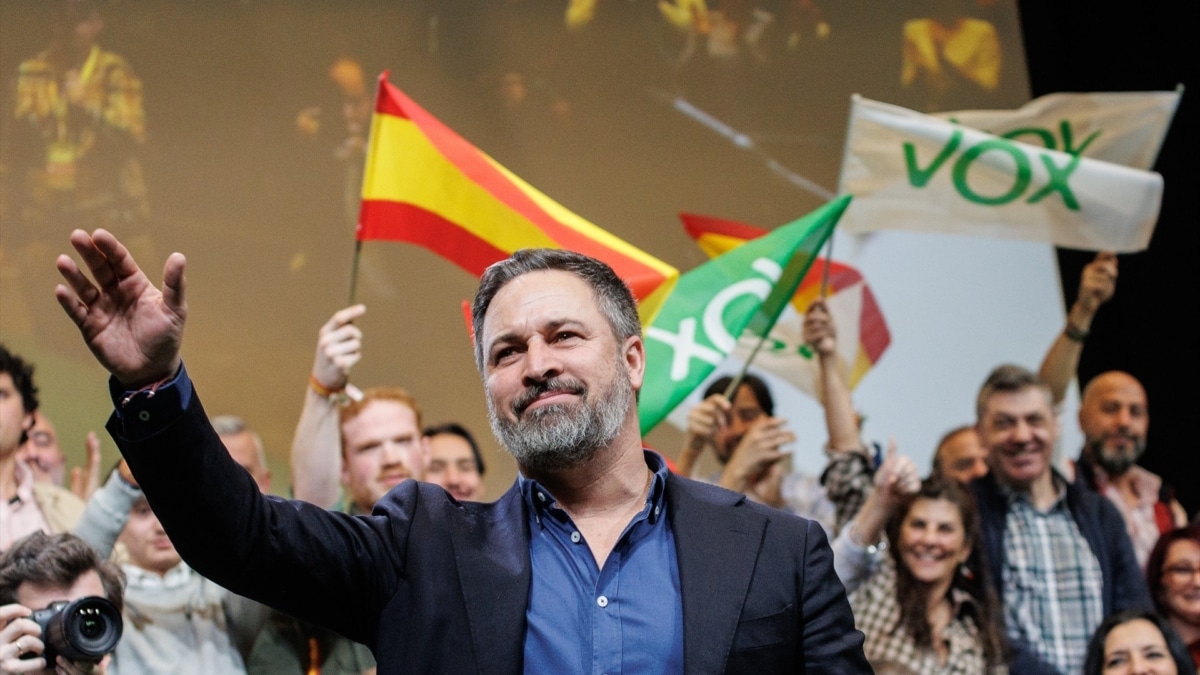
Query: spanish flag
pixel 426 185
pixel 850 300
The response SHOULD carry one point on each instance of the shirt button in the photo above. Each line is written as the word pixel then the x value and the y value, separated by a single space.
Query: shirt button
pixel 575 537
pixel 602 601
pixel 541 496
pixel 657 509
pixel 144 415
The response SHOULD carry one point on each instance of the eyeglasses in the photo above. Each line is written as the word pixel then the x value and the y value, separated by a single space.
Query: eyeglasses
pixel 1180 574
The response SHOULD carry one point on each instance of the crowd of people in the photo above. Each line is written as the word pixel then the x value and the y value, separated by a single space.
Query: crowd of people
pixel 603 556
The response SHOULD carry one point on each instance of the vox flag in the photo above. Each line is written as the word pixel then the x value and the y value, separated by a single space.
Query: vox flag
pixel 701 321
pixel 424 184
pixel 910 171
pixel 862 331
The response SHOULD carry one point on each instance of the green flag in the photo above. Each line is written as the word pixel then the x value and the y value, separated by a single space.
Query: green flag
pixel 712 305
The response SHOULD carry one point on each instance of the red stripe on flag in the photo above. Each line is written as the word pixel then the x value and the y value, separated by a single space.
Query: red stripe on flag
pixel 872 331
pixel 698 226
pixel 471 162
pixel 394 221
pixel 385 102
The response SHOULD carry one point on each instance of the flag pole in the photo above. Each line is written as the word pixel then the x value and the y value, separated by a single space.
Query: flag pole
pixel 825 272
pixel 354 270
pixel 737 381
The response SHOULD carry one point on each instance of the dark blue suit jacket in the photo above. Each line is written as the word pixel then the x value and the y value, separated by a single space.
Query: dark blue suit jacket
pixel 434 585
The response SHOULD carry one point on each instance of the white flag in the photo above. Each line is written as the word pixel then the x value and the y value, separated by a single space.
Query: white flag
pixel 1125 128
pixel 910 171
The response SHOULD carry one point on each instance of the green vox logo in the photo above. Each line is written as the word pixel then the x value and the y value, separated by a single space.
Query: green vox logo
pixel 1059 176
pixel 715 341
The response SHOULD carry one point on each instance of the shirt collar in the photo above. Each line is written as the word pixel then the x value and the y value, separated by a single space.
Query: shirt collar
pixel 175 577
pixel 540 502
pixel 1012 496
pixel 23 475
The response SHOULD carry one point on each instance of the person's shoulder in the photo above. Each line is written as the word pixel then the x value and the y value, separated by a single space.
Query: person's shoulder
pixel 59 505
pixel 1089 505
pixel 682 490
pixel 418 498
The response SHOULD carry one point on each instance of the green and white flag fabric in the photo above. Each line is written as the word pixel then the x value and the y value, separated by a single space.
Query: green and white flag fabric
pixel 910 171
pixel 711 305
pixel 1125 128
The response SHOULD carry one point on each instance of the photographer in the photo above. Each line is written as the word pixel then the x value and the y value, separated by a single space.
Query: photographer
pixel 42 569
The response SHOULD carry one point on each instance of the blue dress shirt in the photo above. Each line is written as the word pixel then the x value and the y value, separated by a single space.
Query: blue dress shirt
pixel 625 618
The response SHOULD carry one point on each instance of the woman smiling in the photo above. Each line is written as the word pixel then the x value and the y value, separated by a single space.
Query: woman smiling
pixel 927 606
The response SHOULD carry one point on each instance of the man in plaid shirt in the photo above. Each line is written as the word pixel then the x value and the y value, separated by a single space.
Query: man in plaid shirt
pixel 1060 556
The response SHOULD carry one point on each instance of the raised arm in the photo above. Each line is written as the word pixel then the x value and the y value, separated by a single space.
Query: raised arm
pixel 1096 286
pixel 316 445
pixel 820 333
pixel 896 477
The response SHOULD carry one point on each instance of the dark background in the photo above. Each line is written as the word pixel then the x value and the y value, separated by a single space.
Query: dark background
pixel 1149 327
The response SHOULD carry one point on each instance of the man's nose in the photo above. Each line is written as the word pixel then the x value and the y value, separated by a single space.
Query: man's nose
pixel 392 453
pixel 1022 431
pixel 1123 417
pixel 541 361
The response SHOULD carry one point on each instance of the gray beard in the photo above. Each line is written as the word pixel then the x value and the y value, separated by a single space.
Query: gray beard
pixel 1118 464
pixel 556 437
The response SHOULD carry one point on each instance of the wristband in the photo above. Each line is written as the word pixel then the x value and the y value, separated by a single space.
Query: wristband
pixel 320 389
pixel 871 549
pixel 1075 333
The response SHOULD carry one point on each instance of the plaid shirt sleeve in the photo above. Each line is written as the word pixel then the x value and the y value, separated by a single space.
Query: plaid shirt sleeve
pixel 847 480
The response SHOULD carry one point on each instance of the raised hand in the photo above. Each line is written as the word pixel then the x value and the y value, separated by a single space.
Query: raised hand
pixel 85 479
pixel 1097 283
pixel 819 331
pixel 759 449
pixel 339 347
pixel 704 421
pixel 896 477
pixel 708 417
pixel 133 328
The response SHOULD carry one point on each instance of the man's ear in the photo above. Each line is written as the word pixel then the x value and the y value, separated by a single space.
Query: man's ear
pixel 634 356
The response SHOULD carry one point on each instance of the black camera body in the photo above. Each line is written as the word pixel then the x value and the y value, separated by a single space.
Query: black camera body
pixel 81 630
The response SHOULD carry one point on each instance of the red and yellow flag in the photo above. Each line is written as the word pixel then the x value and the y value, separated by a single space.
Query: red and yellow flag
pixel 426 185
pixel 850 300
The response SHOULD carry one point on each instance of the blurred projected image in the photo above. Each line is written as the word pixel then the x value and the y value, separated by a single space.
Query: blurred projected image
pixel 74 133
pixel 235 131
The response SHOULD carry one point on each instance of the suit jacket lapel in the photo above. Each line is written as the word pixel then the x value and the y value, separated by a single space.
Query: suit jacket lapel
pixel 491 551
pixel 717 547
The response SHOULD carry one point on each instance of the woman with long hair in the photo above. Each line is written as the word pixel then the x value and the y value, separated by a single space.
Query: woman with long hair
pixel 921 595
pixel 1173 576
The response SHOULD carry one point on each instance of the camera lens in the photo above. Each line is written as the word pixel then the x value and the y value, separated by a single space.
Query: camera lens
pixel 83 630
pixel 91 628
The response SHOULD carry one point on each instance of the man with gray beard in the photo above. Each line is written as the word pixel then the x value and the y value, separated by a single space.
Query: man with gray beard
pixel 598 559
pixel 1114 417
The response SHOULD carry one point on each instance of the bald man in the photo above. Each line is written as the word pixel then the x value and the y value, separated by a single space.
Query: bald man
pixel 1114 417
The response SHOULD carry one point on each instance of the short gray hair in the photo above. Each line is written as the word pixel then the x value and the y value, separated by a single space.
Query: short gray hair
pixel 612 294
pixel 1009 378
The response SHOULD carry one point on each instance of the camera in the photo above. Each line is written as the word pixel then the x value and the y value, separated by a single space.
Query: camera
pixel 81 630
